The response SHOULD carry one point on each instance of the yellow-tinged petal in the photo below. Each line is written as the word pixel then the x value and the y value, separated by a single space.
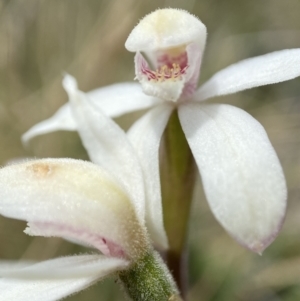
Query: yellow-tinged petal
pixel 166 28
pixel 73 198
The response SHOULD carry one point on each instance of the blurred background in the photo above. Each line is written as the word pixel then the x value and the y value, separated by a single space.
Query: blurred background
pixel 41 39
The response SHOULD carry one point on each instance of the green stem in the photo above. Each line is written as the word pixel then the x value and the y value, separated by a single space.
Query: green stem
pixel 177 172
pixel 148 279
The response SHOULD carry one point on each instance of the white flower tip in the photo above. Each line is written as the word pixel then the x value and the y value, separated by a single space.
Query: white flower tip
pixel 166 28
pixel 257 247
pixel 263 236
pixel 69 83
pixel 25 138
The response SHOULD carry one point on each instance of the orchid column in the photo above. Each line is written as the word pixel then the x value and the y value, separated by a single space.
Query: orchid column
pixel 178 171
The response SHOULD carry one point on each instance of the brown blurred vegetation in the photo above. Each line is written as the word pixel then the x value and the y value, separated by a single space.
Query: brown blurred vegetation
pixel 41 39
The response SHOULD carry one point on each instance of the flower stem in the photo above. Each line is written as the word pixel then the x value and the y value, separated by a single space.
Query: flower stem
pixel 148 279
pixel 177 170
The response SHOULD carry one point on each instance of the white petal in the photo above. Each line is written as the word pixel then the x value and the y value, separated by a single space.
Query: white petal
pixel 57 278
pixel 61 120
pixel 114 100
pixel 119 99
pixel 46 290
pixel 107 145
pixel 267 69
pixel 65 267
pixel 145 136
pixel 71 198
pixel 166 28
pixel 242 177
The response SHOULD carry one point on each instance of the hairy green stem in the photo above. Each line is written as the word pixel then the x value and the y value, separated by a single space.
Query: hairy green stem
pixel 148 279
pixel 177 171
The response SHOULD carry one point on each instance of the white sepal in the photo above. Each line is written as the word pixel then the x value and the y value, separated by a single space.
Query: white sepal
pixel 119 99
pixel 241 174
pixel 145 136
pixel 107 145
pixel 57 278
pixel 46 290
pixel 114 100
pixel 263 70
pixel 61 120
pixel 70 267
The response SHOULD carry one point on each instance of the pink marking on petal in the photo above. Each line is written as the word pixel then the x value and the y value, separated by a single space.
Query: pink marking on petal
pixel 189 89
pixel 49 229
pixel 169 71
pixel 259 246
pixel 194 58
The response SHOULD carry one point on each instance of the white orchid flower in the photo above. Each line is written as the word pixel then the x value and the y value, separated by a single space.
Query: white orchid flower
pixel 102 206
pixel 241 174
